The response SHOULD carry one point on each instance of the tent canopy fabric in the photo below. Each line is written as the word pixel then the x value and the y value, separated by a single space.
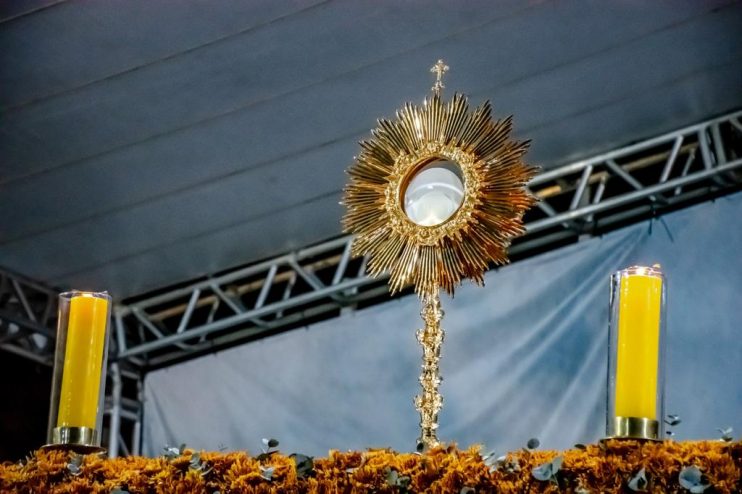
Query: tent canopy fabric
pixel 146 143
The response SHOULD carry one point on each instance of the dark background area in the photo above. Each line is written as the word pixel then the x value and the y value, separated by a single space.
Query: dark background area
pixel 24 388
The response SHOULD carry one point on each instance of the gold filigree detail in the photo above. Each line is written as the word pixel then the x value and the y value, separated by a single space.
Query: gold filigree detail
pixel 495 197
pixel 430 402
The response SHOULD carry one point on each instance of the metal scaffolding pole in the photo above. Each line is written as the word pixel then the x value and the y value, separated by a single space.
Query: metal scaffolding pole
pixel 121 410
pixel 114 411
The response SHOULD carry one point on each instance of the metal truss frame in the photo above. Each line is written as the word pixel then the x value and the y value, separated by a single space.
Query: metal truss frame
pixel 577 200
pixel 27 317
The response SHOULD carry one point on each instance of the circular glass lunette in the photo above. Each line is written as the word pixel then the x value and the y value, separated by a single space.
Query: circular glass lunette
pixel 434 193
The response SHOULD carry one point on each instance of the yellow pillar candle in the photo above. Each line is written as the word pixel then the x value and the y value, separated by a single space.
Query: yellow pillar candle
pixel 638 345
pixel 83 360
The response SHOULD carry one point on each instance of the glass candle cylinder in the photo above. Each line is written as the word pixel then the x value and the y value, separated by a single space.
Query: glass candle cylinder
pixel 636 357
pixel 79 378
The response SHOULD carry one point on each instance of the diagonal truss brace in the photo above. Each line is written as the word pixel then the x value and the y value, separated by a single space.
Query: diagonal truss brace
pixel 27 317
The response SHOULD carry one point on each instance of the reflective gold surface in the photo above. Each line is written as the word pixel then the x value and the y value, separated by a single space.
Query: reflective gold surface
pixel 429 403
pixel 80 439
pixel 495 197
pixel 439 69
pixel 74 435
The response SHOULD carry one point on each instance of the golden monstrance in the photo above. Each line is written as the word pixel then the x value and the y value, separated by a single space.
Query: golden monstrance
pixel 435 196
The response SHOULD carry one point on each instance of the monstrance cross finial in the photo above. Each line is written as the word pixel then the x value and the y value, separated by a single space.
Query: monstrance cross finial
pixel 438 69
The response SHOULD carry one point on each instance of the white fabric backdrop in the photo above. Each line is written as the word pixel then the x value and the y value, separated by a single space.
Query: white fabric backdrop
pixel 524 357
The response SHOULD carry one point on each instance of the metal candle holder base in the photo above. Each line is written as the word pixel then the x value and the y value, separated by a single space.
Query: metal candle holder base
pixel 635 428
pixel 78 439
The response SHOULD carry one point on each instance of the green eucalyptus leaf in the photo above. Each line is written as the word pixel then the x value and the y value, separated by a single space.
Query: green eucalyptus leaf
pixel 726 434
pixel 271 443
pixel 548 470
pixel 265 456
pixel 75 463
pixel 542 472
pixel 490 461
pixel 391 476
pixel 172 452
pixel 638 482
pixel 304 465
pixel 394 479
pixel 494 463
pixel 488 456
pixel 267 472
pixel 672 420
pixel 691 478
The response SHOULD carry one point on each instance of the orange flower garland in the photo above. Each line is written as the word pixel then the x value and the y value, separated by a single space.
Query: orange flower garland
pixel 596 468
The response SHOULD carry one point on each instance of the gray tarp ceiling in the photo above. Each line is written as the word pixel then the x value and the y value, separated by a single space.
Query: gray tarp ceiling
pixel 145 142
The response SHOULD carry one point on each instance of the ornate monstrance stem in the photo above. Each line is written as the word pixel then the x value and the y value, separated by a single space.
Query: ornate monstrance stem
pixel 429 403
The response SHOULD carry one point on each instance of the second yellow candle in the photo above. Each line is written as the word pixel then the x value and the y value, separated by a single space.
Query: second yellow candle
pixel 638 345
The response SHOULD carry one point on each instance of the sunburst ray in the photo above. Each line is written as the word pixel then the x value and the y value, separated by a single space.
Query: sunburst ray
pixel 477 234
